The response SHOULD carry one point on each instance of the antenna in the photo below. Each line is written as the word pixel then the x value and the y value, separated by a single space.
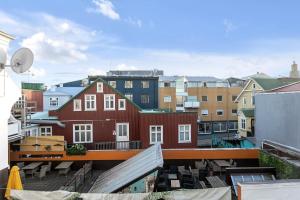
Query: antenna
pixel 22 60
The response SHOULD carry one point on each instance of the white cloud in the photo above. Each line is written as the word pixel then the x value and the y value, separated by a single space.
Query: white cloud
pixel 37 72
pixel 134 22
pixel 124 66
pixel 95 71
pixel 106 8
pixel 229 26
pixel 54 50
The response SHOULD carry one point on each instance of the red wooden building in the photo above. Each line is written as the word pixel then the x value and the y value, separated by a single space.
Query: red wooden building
pixel 100 117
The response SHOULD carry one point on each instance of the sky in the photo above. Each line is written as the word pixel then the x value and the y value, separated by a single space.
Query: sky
pixel 71 39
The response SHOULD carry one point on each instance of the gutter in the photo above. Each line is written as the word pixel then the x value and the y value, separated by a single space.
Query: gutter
pixel 40 121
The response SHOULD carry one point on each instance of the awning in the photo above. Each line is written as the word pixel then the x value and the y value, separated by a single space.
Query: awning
pixel 129 171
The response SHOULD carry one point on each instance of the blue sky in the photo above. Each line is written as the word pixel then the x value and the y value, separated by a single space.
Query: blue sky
pixel 71 39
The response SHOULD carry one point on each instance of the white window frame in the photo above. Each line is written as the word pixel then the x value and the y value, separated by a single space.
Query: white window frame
pixel 74 104
pixel 156 132
pixel 85 133
pixel 204 113
pixel 167 99
pixel 113 99
pixel 148 99
pixel 147 84
pixel 204 96
pixel 113 84
pixel 220 110
pixel 220 127
pixel 128 86
pixel 119 104
pixel 99 87
pixel 234 114
pixel 243 122
pixel 45 127
pixel 190 130
pixel 220 96
pixel 206 133
pixel 235 127
pixel 85 102
pixel 53 99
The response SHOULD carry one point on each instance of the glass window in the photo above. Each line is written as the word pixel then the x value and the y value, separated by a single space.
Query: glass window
pixel 234 111
pixel 99 87
pixel 128 84
pixel 156 134
pixel 167 99
pixel 145 99
pixel 233 98
pixel 204 128
pixel 82 133
pixel 243 123
pixel 90 102
pixel 219 127
pixel 113 84
pixel 219 98
pixel 220 112
pixel 45 130
pixel 129 96
pixel 167 84
pixel 53 101
pixel 122 104
pixel 77 104
pixel 232 125
pixel 184 133
pixel 145 84
pixel 204 98
pixel 204 112
pixel 109 102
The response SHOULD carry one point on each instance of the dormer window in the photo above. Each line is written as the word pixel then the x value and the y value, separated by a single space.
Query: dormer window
pixel 99 87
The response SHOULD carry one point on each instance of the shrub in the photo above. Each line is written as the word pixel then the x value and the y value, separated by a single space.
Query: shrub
pixel 76 149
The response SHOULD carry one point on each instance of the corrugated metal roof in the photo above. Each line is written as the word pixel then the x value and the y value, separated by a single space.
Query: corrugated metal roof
pixel 64 91
pixel 129 171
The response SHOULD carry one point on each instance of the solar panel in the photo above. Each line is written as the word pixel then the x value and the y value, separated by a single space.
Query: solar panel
pixel 250 178
pixel 129 171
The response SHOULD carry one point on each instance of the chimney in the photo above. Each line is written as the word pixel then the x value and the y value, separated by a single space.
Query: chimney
pixel 294 73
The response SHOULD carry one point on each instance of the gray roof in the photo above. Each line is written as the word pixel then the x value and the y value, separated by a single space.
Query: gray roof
pixel 190 78
pixel 129 171
pixel 42 116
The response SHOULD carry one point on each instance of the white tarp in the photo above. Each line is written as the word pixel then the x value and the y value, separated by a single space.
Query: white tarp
pixel 39 195
pixel 274 190
pixel 223 193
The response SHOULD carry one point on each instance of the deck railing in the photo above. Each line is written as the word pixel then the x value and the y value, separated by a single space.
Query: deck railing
pixel 121 145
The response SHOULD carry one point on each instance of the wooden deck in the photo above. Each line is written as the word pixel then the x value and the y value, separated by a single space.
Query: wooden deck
pixel 168 154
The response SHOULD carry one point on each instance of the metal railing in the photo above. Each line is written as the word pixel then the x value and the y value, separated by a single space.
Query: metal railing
pixel 121 145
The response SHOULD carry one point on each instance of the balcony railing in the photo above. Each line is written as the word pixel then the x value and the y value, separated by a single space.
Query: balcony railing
pixel 192 104
pixel 123 145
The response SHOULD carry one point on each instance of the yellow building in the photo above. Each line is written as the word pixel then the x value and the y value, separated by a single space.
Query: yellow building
pixel 246 101
pixel 213 99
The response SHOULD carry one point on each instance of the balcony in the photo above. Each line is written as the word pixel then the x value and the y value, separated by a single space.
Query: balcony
pixel 123 145
pixel 192 104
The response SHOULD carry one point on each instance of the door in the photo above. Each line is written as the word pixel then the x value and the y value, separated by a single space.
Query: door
pixel 122 135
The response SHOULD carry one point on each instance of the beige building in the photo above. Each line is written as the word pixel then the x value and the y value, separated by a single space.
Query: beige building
pixel 246 101
pixel 213 99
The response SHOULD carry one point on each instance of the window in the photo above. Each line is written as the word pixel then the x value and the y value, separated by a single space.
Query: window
pixel 53 101
pixel 204 128
pixel 243 123
pixel 129 96
pixel 220 112
pixel 77 105
pixel 184 133
pixel 232 125
pixel 233 98
pixel 244 100
pixel 167 99
pixel 45 130
pixel 219 98
pixel 204 98
pixel 145 84
pixel 167 84
pixel 219 127
pixel 145 99
pixel 99 87
pixel 234 112
pixel 109 102
pixel 112 84
pixel 204 112
pixel 122 104
pixel 128 84
pixel 253 85
pixel 82 133
pixel 90 102
pixel 156 134
pixel 253 100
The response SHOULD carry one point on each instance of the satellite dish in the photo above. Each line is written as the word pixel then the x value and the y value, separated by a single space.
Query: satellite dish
pixel 22 60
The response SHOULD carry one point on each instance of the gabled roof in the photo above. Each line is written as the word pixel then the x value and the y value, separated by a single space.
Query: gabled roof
pixel 94 83
pixel 270 83
pixel 248 112
pixel 293 87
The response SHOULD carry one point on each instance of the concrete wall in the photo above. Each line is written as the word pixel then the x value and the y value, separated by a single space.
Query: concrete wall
pixel 278 118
